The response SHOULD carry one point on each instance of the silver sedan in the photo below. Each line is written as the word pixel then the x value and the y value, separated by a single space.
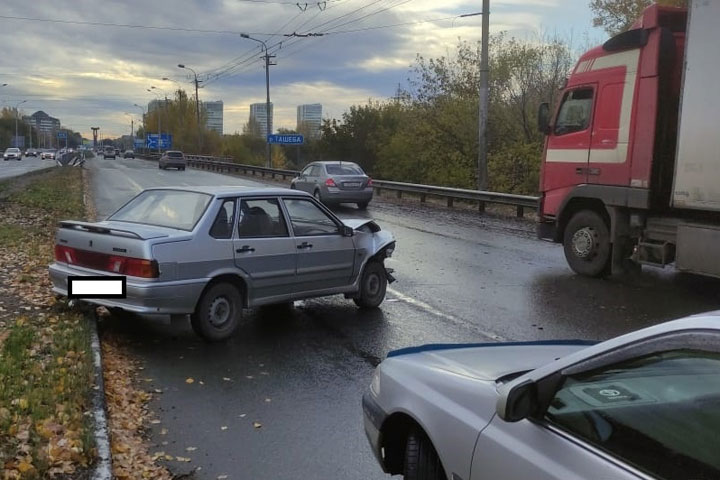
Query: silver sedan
pixel 645 405
pixel 335 182
pixel 211 251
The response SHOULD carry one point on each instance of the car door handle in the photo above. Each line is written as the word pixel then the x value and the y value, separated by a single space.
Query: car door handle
pixel 245 249
pixel 304 245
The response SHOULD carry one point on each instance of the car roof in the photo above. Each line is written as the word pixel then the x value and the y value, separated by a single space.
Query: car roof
pixel 223 191
pixel 335 162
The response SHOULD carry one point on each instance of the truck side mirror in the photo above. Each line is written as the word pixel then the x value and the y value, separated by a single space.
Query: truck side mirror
pixel 544 118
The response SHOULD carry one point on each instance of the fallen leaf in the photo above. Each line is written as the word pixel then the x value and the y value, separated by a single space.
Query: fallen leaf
pixel 224 427
pixel 243 415
pixel 191 449
pixel 221 477
pixel 163 431
pixel 227 379
pixel 189 380
pixel 155 421
pixel 257 424
pixel 268 400
pixel 182 459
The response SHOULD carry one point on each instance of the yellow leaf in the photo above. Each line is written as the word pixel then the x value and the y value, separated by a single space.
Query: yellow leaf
pixel 25 467
pixel 223 427
pixel 182 459
pixel 257 424
pixel 189 380
pixel 191 449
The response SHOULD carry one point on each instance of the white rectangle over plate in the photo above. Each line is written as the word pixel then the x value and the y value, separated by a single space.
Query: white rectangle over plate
pixel 96 287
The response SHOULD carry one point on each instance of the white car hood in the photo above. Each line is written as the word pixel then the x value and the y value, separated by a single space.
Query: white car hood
pixel 489 361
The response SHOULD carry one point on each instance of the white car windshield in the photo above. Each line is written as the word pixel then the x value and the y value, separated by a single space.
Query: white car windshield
pixel 164 208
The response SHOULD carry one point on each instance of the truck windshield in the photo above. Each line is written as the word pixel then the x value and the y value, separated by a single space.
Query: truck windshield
pixel 164 208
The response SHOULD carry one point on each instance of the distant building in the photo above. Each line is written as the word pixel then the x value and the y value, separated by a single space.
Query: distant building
pixel 259 116
pixel 309 118
pixel 214 116
pixel 42 122
pixel 155 104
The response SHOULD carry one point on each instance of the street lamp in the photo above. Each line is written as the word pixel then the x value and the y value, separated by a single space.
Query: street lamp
pixel 268 128
pixel 143 116
pixel 16 120
pixel 159 123
pixel 197 100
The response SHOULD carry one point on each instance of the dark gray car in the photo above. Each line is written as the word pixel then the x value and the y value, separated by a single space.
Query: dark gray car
pixel 211 251
pixel 172 159
pixel 335 182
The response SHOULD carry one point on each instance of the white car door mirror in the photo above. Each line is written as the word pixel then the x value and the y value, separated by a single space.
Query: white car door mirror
pixel 517 402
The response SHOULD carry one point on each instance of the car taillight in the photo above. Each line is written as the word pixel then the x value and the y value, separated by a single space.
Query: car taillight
pixel 330 183
pixel 64 254
pixel 369 184
pixel 134 267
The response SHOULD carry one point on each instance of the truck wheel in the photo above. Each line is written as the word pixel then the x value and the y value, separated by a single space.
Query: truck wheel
pixel 587 244
pixel 421 459
pixel 373 285
pixel 218 313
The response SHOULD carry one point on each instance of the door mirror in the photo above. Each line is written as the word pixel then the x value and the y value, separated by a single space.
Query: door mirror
pixel 544 118
pixel 347 231
pixel 518 402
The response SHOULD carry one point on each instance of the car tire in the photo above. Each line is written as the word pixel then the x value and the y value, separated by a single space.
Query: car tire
pixel 363 205
pixel 183 169
pixel 421 460
pixel 293 187
pixel 373 285
pixel 317 195
pixel 586 243
pixel 218 313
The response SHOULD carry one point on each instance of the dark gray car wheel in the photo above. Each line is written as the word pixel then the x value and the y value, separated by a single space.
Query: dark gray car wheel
pixel 373 285
pixel 317 195
pixel 218 313
pixel 363 205
pixel 421 460
pixel 587 244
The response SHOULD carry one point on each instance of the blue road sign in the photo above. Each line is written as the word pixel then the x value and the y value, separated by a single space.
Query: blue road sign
pixel 152 139
pixel 293 139
pixel 62 135
pixel 139 143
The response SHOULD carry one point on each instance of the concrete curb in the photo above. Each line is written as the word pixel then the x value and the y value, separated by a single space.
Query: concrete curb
pixel 103 467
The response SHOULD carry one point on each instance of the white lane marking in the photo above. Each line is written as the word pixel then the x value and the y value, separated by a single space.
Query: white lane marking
pixel 434 311
pixel 134 183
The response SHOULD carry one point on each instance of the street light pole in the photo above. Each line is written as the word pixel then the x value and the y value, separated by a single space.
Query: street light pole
pixel 159 122
pixel 17 114
pixel 268 121
pixel 197 103
pixel 483 97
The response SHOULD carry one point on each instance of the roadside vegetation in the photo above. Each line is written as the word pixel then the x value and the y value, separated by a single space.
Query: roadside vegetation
pixel 45 358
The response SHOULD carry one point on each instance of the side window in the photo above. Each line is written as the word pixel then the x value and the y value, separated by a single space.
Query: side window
pixel 261 218
pixel 222 227
pixel 316 171
pixel 574 113
pixel 308 219
pixel 659 413
pixel 307 171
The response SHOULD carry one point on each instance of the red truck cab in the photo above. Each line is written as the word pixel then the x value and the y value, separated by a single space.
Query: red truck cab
pixel 610 146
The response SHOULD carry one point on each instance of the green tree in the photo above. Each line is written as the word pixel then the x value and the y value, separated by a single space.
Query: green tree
pixel 616 16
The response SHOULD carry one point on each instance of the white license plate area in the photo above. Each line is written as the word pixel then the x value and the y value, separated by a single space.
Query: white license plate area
pixel 97 287
pixel 352 184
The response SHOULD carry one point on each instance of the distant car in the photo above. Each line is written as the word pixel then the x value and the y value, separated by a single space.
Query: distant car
pixel 211 251
pixel 640 406
pixel 31 153
pixel 117 151
pixel 108 152
pixel 129 154
pixel 47 155
pixel 172 159
pixel 335 182
pixel 12 153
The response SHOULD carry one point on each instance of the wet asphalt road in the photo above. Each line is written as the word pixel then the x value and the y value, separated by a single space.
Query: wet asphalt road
pixel 13 168
pixel 300 373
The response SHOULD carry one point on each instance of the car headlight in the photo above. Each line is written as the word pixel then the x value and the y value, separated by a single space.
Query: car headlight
pixel 375 383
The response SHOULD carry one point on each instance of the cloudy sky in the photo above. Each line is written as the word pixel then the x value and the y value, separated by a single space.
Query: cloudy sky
pixel 78 67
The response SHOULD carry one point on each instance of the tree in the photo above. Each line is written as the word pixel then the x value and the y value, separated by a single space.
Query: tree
pixel 616 16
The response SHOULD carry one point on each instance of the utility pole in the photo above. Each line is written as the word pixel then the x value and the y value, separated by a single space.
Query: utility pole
pixel 482 168
pixel 95 136
pixel 197 105
pixel 17 114
pixel 268 118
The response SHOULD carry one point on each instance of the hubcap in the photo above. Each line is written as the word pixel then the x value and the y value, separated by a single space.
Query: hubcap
pixel 372 284
pixel 583 242
pixel 220 310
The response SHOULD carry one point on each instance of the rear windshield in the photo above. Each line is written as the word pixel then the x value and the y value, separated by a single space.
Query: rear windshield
pixel 164 208
pixel 344 170
pixel 175 154
pixel 13 150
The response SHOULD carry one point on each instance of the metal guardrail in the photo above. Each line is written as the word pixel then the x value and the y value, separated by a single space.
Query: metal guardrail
pixel 520 202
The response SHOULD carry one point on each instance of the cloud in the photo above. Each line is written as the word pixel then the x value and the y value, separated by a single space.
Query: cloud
pixel 93 75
